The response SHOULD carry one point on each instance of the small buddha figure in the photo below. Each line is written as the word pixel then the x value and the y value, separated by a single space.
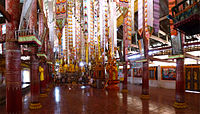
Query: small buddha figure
pixel 41 70
pixel 57 1
pixel 58 11
pixel 76 67
pixel 65 67
pixel 72 67
pixel 63 9
pixel 63 1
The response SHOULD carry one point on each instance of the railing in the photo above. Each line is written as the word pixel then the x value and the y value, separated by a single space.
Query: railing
pixel 185 9
pixel 28 32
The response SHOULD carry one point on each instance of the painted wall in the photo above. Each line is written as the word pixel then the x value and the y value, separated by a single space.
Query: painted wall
pixel 168 84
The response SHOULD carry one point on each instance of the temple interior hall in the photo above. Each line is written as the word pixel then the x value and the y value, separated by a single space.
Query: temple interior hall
pixel 99 56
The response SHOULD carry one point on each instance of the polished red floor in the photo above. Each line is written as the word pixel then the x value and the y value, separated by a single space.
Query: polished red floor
pixel 86 100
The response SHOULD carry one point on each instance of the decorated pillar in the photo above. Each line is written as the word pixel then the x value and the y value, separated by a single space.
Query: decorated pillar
pixel 125 50
pixel 180 84
pixel 177 41
pixel 33 16
pixel 180 77
pixel 35 82
pixel 13 60
pixel 46 53
pixel 41 23
pixel 145 76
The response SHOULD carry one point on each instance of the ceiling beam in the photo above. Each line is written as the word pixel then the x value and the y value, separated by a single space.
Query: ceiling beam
pixel 160 39
pixel 191 56
pixel 5 13
pixel 162 60
pixel 162 32
pixel 163 18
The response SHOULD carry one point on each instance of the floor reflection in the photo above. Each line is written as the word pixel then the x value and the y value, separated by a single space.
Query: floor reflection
pixel 57 94
pixel 145 106
pixel 88 100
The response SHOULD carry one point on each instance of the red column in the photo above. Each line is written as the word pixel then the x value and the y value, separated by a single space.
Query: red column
pixel 35 80
pixel 48 78
pixel 145 81
pixel 33 15
pixel 125 50
pixel 180 81
pixel 13 60
pixel 41 23
pixel 145 76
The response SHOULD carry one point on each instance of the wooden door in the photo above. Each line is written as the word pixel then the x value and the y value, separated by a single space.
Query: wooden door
pixel 192 78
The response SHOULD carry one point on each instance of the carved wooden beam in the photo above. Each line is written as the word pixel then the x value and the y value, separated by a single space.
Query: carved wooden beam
pixel 5 13
pixel 159 39
pixel 191 56
pixel 162 60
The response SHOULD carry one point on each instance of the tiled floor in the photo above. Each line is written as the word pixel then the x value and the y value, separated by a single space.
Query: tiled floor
pixel 87 100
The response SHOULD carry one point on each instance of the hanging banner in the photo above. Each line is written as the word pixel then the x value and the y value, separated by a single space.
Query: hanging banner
pixel 132 2
pixel 150 13
pixel 61 14
pixel 171 5
pixel 156 15
pixel 140 16
pixel 113 26
pixel 61 9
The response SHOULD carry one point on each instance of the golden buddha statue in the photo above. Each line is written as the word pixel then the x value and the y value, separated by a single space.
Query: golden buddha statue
pixel 58 11
pixel 63 1
pixel 63 9
pixel 76 67
pixel 57 1
pixel 41 70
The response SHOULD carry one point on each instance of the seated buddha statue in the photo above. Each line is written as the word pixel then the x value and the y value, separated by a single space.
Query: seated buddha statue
pixel 63 9
pixel 57 1
pixel 58 11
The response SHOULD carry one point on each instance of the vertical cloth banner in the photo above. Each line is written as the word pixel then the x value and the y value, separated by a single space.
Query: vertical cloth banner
pixel 61 7
pixel 156 15
pixel 150 13
pixel 132 15
pixel 140 16
pixel 171 4
pixel 113 27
